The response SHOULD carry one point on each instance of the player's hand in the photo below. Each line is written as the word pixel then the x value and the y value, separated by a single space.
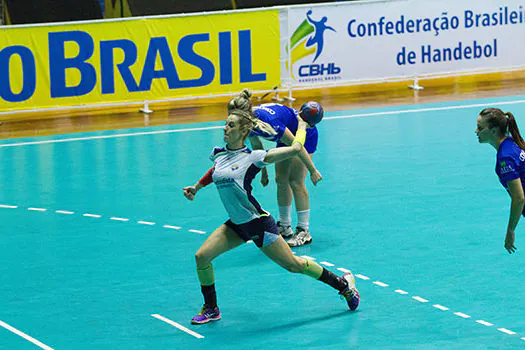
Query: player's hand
pixel 509 242
pixel 264 177
pixel 189 192
pixel 301 123
pixel 316 177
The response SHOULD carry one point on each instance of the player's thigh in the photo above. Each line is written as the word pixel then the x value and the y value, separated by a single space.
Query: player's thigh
pixel 220 241
pixel 298 170
pixel 280 252
pixel 282 171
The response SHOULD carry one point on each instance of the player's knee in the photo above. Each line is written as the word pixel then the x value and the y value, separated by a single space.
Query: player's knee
pixel 294 266
pixel 298 186
pixel 201 259
pixel 282 180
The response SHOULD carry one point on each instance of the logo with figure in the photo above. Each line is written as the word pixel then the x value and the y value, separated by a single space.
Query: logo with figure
pixel 309 40
pixel 317 37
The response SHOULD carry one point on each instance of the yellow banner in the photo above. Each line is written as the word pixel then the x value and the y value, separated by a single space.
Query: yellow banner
pixel 136 60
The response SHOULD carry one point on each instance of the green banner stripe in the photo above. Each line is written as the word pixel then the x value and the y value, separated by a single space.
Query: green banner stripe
pixel 303 30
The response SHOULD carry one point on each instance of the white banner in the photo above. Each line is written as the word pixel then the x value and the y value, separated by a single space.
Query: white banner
pixel 358 41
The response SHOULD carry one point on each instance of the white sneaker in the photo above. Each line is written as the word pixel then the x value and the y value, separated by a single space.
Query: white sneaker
pixel 350 293
pixel 284 230
pixel 300 237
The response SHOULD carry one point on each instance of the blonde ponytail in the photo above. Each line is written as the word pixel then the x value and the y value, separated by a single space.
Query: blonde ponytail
pixel 264 127
pixel 254 124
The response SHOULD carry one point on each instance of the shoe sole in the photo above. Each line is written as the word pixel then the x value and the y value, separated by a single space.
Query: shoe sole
pixel 207 321
pixel 300 245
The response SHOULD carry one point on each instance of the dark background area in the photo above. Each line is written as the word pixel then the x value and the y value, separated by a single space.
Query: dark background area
pixel 43 11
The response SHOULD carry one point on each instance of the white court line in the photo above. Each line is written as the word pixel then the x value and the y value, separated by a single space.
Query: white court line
pixel 67 212
pixel 444 308
pixel 401 111
pixel 73 139
pixel 8 206
pixel 175 324
pixel 37 209
pixel 92 215
pixel 197 231
pixel 118 219
pixel 420 299
pixel 25 336
pixel 145 223
pixel 430 109
pixel 505 330
pixel 380 284
pixel 441 307
pixel 326 263
pixel 363 277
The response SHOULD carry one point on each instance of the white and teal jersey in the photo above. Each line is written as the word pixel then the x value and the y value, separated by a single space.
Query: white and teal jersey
pixel 233 175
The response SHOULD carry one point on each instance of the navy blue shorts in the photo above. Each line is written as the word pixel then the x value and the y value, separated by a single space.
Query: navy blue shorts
pixel 262 231
pixel 310 144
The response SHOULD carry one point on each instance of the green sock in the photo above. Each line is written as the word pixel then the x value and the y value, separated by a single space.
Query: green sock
pixel 206 275
pixel 312 269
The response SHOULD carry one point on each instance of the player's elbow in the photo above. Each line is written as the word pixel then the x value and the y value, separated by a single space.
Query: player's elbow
pixel 296 148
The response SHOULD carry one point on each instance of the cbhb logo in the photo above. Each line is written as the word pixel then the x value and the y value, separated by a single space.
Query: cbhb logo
pixel 308 39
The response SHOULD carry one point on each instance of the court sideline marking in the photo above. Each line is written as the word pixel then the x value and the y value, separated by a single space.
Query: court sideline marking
pixel 25 336
pixel 176 325
pixel 158 132
pixel 99 216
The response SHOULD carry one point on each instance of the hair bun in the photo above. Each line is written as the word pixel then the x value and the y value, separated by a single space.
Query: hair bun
pixel 246 94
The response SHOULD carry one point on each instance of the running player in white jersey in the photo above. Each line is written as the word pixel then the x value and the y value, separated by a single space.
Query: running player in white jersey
pixel 234 168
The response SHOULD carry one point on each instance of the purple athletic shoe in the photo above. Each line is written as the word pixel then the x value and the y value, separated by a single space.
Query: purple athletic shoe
pixel 206 315
pixel 350 293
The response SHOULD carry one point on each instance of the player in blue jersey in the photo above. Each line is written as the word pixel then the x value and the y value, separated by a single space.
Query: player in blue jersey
pixel 290 174
pixel 234 168
pixel 493 128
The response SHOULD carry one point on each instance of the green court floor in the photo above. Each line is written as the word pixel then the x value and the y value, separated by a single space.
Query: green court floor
pixel 97 237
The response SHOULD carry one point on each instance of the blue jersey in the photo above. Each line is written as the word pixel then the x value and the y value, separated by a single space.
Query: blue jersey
pixel 510 163
pixel 280 118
